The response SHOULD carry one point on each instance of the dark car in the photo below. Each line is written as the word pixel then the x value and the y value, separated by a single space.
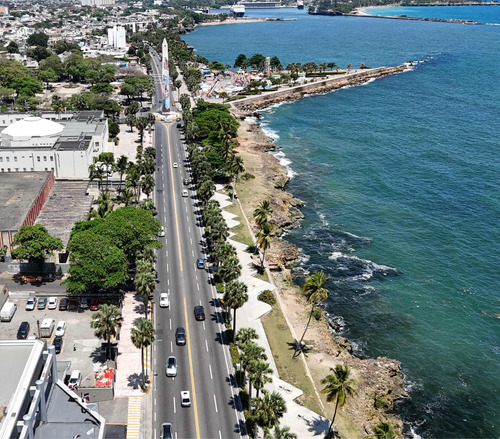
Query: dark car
pixel 199 313
pixel 166 429
pixel 84 303
pixel 42 303
pixel 94 304
pixel 180 336
pixel 63 304
pixel 58 342
pixel 23 331
pixel 185 181
pixel 144 109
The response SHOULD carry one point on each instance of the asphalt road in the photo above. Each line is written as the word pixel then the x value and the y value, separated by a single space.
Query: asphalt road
pixel 204 364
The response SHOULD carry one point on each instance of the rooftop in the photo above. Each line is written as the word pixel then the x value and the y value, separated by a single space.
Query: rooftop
pixel 33 126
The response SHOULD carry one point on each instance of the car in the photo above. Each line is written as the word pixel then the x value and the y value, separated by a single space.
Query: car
pixel 42 303
pixel 31 303
pixel 199 313
pixel 171 366
pixel 175 165
pixel 52 303
pixel 162 232
pixel 58 343
pixel 144 109
pixel 180 336
pixel 164 300
pixel 94 304
pixel 75 379
pixel 200 263
pixel 23 331
pixel 185 181
pixel 84 303
pixel 185 193
pixel 63 304
pixel 60 328
pixel 185 398
pixel 179 125
pixel 166 430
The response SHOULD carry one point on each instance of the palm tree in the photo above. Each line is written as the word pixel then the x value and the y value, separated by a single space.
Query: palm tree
pixel 142 336
pixel 148 205
pixel 106 321
pixel 133 178
pixel 264 240
pixel 244 335
pixel 269 410
pixel 235 297
pixel 338 386
pixel 235 167
pixel 121 167
pixel 145 284
pixel 383 430
pixel 141 123
pixel 258 375
pixel 147 184
pixel 250 351
pixel 261 213
pixel 104 206
pixel 283 433
pixel 96 173
pixel 315 293
pixel 125 196
pixel 229 270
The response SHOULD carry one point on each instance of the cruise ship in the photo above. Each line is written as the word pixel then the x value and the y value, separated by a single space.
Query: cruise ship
pixel 300 4
pixel 238 10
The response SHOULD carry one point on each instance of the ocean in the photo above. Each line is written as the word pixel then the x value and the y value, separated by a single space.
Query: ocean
pixel 400 180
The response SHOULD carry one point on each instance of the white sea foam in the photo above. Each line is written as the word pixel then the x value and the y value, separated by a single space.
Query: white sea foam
pixel 414 434
pixel 280 155
pixel 273 135
pixel 367 82
pixel 361 270
pixel 303 257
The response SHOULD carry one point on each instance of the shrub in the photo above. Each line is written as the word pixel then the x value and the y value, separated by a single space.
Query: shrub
pixel 317 313
pixel 244 399
pixel 247 176
pixel 235 354
pixel 252 249
pixel 268 297
pixel 380 402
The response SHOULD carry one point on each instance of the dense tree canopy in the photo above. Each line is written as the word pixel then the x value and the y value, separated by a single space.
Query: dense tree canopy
pixel 38 39
pixel 34 243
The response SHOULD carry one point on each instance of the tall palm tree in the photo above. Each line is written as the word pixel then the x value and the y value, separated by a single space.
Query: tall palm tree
pixel 244 335
pixel 147 184
pixel 133 178
pixel 283 433
pixel 250 351
pixel 121 167
pixel 141 124
pixel 235 167
pixel 96 173
pixel 145 284
pixel 315 293
pixel 106 322
pixel 264 241
pixel 383 430
pixel 125 196
pixel 338 386
pixel 269 410
pixel 261 213
pixel 236 296
pixel 148 205
pixel 142 336
pixel 258 375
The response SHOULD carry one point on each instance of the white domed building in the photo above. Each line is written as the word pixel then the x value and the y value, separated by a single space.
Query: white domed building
pixel 65 144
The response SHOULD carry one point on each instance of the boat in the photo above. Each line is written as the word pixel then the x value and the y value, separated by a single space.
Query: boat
pixel 300 4
pixel 237 10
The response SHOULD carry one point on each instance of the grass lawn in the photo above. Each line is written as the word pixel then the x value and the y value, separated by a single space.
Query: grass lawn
pixel 241 232
pixel 291 371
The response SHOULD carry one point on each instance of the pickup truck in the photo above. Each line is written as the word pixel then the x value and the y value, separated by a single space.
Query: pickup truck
pixel 31 279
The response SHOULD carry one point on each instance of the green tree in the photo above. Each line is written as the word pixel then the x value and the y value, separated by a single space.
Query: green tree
pixel 235 297
pixel 121 167
pixel 338 387
pixel 130 120
pixel 13 47
pixel 101 88
pixel 269 410
pixel 283 433
pixel 245 335
pixel 383 430
pixel 264 236
pixel 241 61
pixel 106 321
pixel 104 206
pixel 47 76
pixel 142 336
pixel 125 196
pixel 141 123
pixel 145 284
pixel 262 212
pixel 315 293
pixel 38 53
pixel 38 39
pixel 250 351
pixel 148 184
pixel 27 86
pixel 34 243
pixel 258 375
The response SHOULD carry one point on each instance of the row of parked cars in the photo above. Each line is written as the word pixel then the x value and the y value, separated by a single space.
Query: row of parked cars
pixel 52 303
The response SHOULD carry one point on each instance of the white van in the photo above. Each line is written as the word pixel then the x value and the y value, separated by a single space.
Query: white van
pixel 8 311
pixel 46 327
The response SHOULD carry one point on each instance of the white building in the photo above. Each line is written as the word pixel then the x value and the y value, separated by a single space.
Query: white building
pixel 65 144
pixel 117 37
pixel 98 3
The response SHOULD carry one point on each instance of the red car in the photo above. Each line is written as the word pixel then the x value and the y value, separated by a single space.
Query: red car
pixel 94 304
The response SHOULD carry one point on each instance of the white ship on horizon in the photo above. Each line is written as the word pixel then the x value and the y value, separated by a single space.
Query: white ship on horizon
pixel 238 10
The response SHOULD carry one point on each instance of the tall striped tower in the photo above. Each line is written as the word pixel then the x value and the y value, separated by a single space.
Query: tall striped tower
pixel 165 78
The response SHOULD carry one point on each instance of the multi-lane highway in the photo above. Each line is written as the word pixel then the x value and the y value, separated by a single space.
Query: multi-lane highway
pixel 204 363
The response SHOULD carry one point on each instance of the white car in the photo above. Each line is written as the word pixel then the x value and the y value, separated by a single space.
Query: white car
pixel 60 328
pixel 162 233
pixel 31 303
pixel 75 379
pixel 176 165
pixel 52 304
pixel 164 300
pixel 171 367
pixel 185 398
pixel 185 193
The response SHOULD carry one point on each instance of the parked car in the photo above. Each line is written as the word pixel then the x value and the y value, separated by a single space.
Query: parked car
pixel 35 280
pixel 31 303
pixel 171 367
pixel 164 300
pixel 75 379
pixel 180 336
pixel 84 303
pixel 199 313
pixel 94 304
pixel 185 398
pixel 60 328
pixel 162 232
pixel 58 343
pixel 63 304
pixel 42 303
pixel 200 263
pixel 52 303
pixel 23 331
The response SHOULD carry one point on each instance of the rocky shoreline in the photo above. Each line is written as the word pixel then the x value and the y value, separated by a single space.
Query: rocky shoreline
pixel 380 381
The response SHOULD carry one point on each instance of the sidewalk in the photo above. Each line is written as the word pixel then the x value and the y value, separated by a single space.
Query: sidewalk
pixel 302 421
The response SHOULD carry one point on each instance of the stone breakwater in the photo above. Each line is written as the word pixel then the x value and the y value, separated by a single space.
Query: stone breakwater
pixel 254 103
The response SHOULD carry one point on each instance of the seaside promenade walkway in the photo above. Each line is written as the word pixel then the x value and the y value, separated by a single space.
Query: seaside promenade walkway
pixel 302 421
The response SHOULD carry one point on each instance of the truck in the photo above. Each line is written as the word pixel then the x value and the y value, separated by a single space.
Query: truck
pixel 8 311
pixel 46 327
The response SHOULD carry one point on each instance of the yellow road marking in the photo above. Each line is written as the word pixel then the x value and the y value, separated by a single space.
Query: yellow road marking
pixel 173 198
pixel 191 372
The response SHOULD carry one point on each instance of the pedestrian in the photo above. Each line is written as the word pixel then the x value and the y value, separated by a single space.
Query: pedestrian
pixel 74 347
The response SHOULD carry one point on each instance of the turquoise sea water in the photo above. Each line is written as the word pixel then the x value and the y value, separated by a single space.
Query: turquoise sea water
pixel 400 179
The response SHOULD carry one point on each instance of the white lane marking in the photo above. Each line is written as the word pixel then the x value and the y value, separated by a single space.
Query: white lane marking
pixel 192 252
pixel 155 416
pixel 185 208
pixel 170 323
pixel 206 344
pixel 215 403
pixel 210 369
pixel 189 229
pixel 171 347
pixel 167 266
pixel 166 253
pixel 191 239
pixel 198 285
pixel 174 403
pixel 220 435
pixel 196 277
pixel 204 329
pixel 168 281
pixel 155 402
